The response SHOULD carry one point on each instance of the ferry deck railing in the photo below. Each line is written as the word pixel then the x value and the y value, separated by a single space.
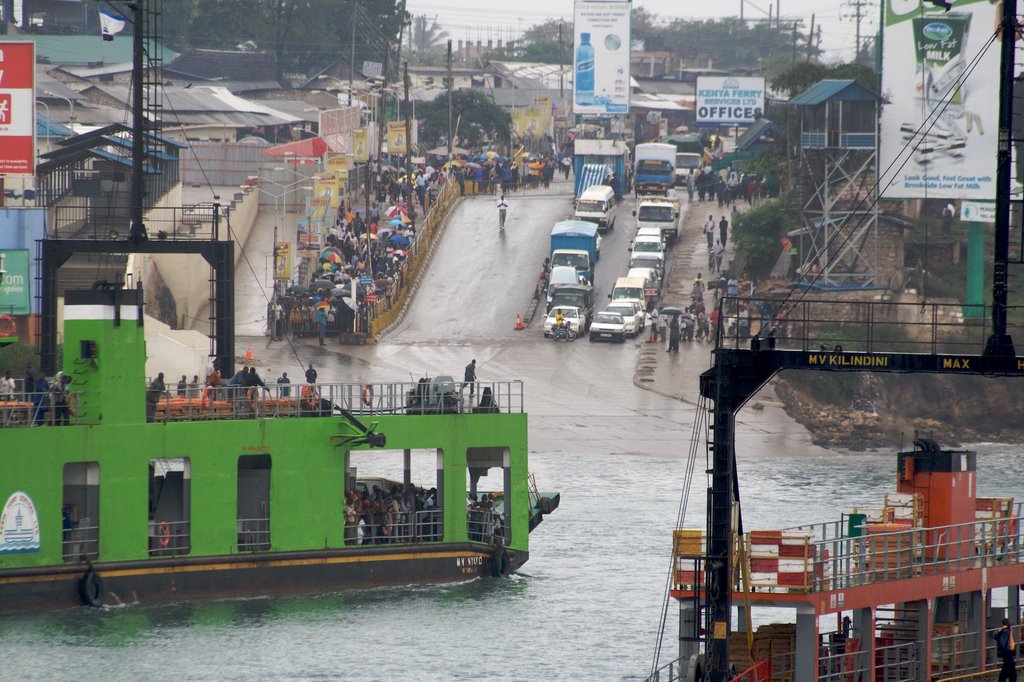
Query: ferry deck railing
pixel 806 323
pixel 254 535
pixel 485 526
pixel 295 400
pixel 403 527
pixel 169 538
pixel 824 557
pixel 81 543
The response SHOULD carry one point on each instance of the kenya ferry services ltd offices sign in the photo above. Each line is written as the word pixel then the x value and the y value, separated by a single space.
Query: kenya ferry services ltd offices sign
pixel 727 100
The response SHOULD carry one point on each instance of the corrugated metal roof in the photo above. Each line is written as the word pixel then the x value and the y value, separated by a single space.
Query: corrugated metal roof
pixel 754 132
pixel 48 86
pixel 48 128
pixel 534 74
pixel 88 49
pixel 845 90
pixel 202 105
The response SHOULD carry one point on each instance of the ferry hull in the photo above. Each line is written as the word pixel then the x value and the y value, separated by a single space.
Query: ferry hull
pixel 226 577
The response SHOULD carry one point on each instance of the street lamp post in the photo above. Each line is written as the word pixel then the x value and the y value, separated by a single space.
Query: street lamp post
pixel 48 121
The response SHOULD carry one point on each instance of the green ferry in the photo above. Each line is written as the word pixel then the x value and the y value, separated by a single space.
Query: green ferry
pixel 228 496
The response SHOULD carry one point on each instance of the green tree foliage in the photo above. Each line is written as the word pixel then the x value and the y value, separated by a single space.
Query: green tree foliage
pixel 479 119
pixel 426 35
pixel 758 233
pixel 803 75
pixel 729 43
pixel 304 35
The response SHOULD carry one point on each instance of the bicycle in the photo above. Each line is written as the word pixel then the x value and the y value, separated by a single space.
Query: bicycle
pixel 564 331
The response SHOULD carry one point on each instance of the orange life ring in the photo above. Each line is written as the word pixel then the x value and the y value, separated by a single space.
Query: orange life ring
pixel 163 531
pixel 7 326
pixel 206 398
pixel 367 395
pixel 73 404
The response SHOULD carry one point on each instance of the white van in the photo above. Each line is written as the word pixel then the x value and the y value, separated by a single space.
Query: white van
pixel 629 290
pixel 652 247
pixel 652 282
pixel 597 205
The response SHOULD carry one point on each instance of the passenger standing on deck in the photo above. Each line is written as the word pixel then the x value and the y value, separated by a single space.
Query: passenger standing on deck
pixel 6 386
pixel 153 395
pixel 470 377
pixel 59 394
pixel 1006 650
pixel 284 385
pixel 310 374
pixel 183 386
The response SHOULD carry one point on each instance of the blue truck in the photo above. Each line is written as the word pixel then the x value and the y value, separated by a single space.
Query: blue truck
pixel 575 243
pixel 655 168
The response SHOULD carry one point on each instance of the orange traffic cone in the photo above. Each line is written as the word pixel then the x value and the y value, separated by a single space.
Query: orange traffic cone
pixel 519 323
pixel 248 354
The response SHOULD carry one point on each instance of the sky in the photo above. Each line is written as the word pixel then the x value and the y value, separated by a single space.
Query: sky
pixel 474 19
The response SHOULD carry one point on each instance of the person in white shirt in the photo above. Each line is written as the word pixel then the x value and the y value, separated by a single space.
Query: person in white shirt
pixel 6 387
pixel 709 231
pixel 502 205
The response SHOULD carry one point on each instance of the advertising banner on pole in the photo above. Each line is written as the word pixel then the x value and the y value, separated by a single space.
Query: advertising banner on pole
pixel 17 108
pixel 528 122
pixel 396 138
pixel 940 82
pixel 601 64
pixel 360 145
pixel 282 261
pixel 15 296
pixel 726 100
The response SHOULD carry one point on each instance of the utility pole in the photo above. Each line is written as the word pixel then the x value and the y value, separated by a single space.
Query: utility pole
pixel 561 64
pixel 810 39
pixel 352 54
pixel 383 95
pixel 742 2
pixel 138 227
pixel 858 16
pixel 794 43
pixel 450 84
pixel 408 142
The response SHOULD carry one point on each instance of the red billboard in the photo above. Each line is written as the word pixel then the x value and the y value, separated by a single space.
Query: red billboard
pixel 17 108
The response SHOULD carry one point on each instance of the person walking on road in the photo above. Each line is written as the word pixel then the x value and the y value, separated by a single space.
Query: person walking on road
pixel 470 377
pixel 1006 650
pixel 502 210
pixel 673 335
pixel 709 231
pixel 723 231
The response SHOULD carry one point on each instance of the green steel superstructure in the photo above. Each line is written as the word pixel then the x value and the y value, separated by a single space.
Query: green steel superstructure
pixel 196 501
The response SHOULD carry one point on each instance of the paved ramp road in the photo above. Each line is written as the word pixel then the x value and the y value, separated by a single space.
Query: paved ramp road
pixel 479 278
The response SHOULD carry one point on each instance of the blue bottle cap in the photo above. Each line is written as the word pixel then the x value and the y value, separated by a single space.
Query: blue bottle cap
pixel 584 37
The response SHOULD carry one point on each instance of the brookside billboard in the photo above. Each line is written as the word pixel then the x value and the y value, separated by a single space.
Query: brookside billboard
pixel 17 108
pixel 940 79
pixel 726 100
pixel 601 64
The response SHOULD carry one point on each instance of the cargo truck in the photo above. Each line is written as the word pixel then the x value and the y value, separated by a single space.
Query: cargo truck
pixel 575 243
pixel 655 168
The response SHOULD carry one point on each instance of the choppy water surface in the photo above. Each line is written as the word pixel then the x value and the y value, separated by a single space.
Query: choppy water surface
pixel 589 603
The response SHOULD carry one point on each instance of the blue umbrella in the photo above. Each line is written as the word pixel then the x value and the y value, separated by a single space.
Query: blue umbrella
pixel 399 241
pixel 397 222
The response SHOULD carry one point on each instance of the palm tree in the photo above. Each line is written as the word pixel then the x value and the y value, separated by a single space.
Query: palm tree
pixel 426 34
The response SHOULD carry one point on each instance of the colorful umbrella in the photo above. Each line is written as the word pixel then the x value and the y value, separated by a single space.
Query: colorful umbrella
pixel 395 211
pixel 397 222
pixel 323 305
pixel 400 241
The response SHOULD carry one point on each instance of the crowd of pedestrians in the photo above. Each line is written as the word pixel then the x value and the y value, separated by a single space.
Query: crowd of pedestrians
pixel 375 516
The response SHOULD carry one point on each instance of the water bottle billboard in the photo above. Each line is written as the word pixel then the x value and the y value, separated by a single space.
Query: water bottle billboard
pixel 601 58
pixel 940 84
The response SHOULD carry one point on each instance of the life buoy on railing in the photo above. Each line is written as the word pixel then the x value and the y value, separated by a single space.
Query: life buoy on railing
pixel 7 326
pixel 367 395
pixel 90 588
pixel 163 531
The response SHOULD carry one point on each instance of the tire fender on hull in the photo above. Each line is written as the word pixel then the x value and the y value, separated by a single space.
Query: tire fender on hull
pixel 501 564
pixel 90 587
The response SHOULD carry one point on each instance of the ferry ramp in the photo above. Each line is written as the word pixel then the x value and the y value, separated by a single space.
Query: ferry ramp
pixel 479 278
